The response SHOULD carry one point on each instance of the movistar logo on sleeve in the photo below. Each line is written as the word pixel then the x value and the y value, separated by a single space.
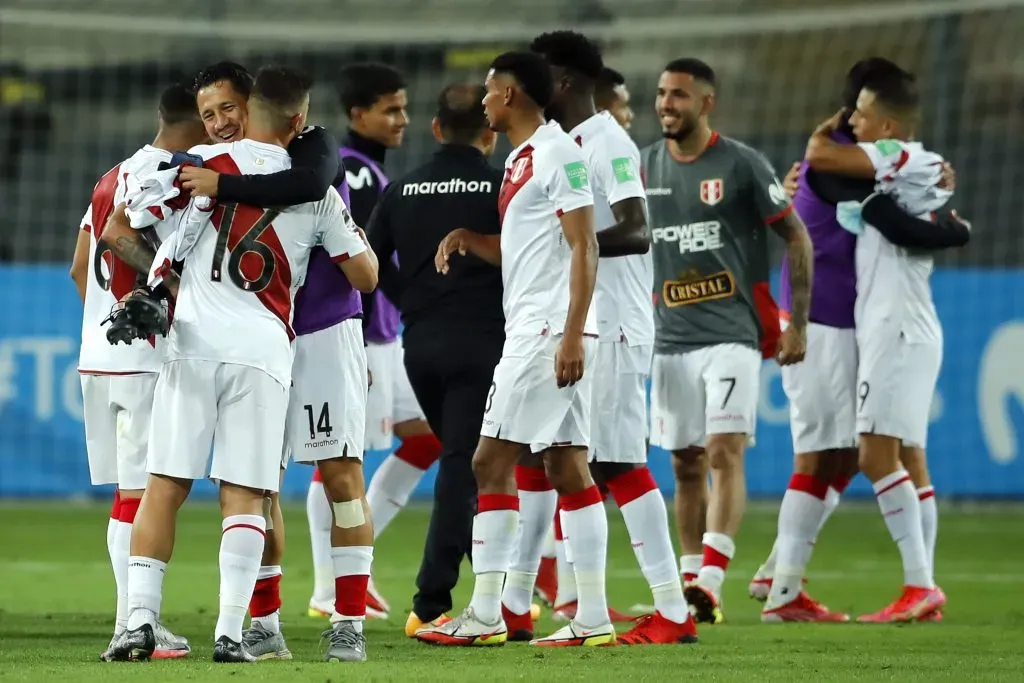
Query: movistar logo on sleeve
pixel 623 170
pixel 576 172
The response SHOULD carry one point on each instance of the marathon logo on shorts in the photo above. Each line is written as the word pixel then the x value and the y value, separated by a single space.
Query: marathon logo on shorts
pixel 693 288
pixel 324 443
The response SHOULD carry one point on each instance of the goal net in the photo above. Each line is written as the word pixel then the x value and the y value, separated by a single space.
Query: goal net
pixel 78 89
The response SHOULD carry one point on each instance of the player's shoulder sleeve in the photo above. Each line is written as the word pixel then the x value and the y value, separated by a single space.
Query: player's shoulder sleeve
pixel 763 183
pixel 336 230
pixel 887 156
pixel 210 151
pixel 562 171
pixel 620 167
pixel 86 222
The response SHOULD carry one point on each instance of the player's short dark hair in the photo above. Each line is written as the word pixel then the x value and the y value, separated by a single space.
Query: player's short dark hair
pixel 531 72
pixel 609 79
pixel 361 84
pixel 896 91
pixel 178 104
pixel 232 72
pixel 571 51
pixel 281 89
pixel 460 112
pixel 692 66
pixel 859 73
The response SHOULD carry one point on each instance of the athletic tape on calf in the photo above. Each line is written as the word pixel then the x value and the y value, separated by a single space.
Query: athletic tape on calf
pixel 349 514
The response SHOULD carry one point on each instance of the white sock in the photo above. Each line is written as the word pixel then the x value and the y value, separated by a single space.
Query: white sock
pixel 119 540
pixel 565 536
pixel 351 574
pixel 929 524
pixel 548 549
pixel 901 509
pixel 803 506
pixel 566 576
pixel 536 508
pixel 318 513
pixel 831 503
pixel 646 520
pixel 587 527
pixel 145 590
pixel 768 568
pixel 494 537
pixel 712 574
pixel 389 491
pixel 241 549
pixel 689 565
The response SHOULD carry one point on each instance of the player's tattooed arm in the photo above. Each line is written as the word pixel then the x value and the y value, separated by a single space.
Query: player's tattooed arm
pixel 128 244
pixel 630 234
pixel 800 258
pixel 826 155
pixel 80 263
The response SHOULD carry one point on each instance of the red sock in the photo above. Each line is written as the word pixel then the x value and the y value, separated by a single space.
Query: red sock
pixel 350 595
pixel 839 483
pixel 630 485
pixel 266 597
pixel 421 451
pixel 713 558
pixel 128 508
pixel 115 508
pixel 532 479
pixel 316 475
pixel 811 485
pixel 558 523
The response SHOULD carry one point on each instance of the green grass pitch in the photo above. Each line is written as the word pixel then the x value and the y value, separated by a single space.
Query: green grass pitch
pixel 56 606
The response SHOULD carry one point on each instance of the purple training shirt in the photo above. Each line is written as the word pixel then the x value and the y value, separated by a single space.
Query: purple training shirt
pixel 834 287
pixel 382 327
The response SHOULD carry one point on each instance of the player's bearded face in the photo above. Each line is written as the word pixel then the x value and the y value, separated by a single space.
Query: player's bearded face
pixel 678 104
pixel 223 110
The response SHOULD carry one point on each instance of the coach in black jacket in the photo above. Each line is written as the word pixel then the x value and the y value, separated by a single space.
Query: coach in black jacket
pixel 454 324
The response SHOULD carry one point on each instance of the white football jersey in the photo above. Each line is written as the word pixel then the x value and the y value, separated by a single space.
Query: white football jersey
pixel 892 282
pixel 625 307
pixel 110 278
pixel 545 177
pixel 238 282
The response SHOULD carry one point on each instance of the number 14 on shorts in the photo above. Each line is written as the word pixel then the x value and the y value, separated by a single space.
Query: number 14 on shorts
pixel 318 424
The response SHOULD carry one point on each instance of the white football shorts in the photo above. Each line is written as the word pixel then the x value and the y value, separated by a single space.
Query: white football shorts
pixel 239 410
pixel 116 410
pixel 706 391
pixel 822 391
pixel 390 400
pixel 525 404
pixel 895 387
pixel 618 418
pixel 327 404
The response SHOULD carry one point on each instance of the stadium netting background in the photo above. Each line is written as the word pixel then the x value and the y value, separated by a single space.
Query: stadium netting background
pixel 77 94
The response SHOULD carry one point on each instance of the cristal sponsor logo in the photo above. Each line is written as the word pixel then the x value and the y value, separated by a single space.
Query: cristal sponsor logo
pixel 320 444
pixel 1000 387
pixel 451 186
pixel 692 238
pixel 692 288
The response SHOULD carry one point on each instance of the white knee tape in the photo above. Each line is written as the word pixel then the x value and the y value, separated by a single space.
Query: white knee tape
pixel 268 506
pixel 349 514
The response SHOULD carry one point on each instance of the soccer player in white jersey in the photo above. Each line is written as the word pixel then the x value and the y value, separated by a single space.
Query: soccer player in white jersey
pixel 899 337
pixel 117 382
pixel 548 256
pixel 625 316
pixel 224 382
